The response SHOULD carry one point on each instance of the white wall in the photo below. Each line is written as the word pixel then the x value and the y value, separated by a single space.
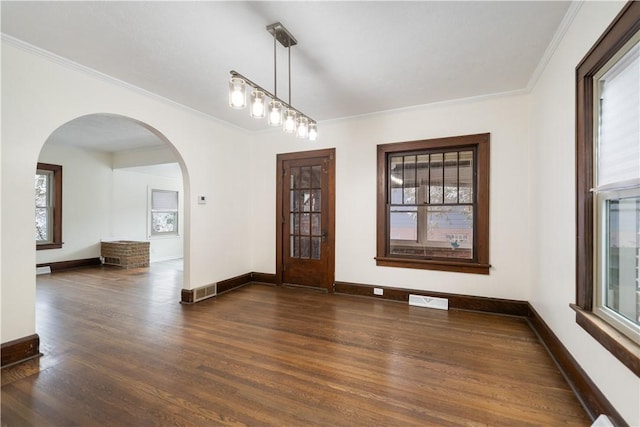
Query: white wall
pixel 38 96
pixel 553 191
pixel 355 140
pixel 86 202
pixel 130 212
pixel 99 202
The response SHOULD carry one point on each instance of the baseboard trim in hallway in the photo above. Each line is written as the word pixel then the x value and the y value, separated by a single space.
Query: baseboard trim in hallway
pixel 20 350
pixel 74 263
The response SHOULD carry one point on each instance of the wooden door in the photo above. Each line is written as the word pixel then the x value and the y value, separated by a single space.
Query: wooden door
pixel 306 224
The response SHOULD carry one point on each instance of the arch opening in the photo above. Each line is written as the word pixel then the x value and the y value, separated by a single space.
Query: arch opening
pixel 115 168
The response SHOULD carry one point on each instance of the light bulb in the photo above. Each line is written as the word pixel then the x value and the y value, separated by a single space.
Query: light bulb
pixel 237 93
pixel 257 104
pixel 289 121
pixel 302 130
pixel 275 113
pixel 313 131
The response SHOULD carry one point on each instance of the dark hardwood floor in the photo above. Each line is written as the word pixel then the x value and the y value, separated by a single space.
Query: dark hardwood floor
pixel 119 350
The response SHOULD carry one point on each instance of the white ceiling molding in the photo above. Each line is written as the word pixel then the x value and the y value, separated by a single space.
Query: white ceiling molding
pixel 449 102
pixel 67 63
pixel 574 7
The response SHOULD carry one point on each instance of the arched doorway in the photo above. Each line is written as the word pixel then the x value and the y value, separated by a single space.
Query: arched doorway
pixel 119 178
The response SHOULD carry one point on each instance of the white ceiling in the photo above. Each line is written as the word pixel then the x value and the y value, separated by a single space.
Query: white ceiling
pixel 104 132
pixel 352 58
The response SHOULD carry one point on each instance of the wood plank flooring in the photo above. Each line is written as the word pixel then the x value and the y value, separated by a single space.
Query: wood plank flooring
pixel 119 350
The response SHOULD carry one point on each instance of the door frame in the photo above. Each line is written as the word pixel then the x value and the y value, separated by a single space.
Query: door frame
pixel 330 153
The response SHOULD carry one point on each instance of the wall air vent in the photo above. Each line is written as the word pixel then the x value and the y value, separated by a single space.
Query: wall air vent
pixel 204 292
pixel 429 302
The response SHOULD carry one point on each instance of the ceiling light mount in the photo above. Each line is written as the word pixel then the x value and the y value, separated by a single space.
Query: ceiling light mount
pixel 277 111
pixel 281 34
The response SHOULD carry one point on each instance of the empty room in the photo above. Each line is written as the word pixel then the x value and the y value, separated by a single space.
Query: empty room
pixel 376 213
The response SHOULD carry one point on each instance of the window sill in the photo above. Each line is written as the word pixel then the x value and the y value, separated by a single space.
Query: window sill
pixel 43 246
pixel 623 348
pixel 459 267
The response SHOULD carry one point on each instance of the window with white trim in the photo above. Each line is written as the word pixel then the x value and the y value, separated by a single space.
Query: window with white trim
pixel 164 212
pixel 617 190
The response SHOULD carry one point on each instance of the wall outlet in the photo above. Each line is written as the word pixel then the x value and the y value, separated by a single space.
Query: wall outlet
pixel 378 291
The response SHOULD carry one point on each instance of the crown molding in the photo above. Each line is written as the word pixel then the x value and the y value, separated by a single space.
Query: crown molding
pixel 72 65
pixel 566 22
pixel 437 104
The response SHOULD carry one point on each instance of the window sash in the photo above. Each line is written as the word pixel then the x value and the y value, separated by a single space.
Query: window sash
pixel 605 268
pixel 418 183
pixel 164 214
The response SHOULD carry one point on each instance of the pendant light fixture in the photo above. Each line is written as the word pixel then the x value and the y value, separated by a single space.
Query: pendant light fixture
pixel 263 103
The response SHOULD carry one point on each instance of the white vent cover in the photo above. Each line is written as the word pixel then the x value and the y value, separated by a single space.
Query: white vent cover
pixel 43 270
pixel 429 302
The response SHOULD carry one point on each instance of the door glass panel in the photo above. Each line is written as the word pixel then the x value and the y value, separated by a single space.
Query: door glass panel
pixel 315 224
pixel 304 247
pixel 295 178
pixel 315 247
pixel 305 181
pixel 295 198
pixel 304 224
pixel 306 200
pixel 295 224
pixel 295 247
pixel 316 201
pixel 316 173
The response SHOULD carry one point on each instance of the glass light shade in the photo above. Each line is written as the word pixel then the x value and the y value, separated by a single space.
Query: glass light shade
pixel 237 93
pixel 275 113
pixel 302 129
pixel 313 131
pixel 258 107
pixel 289 125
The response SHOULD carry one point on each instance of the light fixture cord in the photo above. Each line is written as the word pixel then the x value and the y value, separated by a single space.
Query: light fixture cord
pixel 275 67
pixel 289 50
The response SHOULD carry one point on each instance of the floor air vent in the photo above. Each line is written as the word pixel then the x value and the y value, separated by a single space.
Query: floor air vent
pixel 112 260
pixel 43 270
pixel 204 293
pixel 429 302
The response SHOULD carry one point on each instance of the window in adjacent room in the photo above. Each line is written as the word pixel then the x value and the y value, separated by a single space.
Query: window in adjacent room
pixel 608 188
pixel 164 212
pixel 433 199
pixel 48 206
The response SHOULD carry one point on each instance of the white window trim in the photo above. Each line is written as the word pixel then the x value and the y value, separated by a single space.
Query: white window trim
pixel 167 235
pixel 602 194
